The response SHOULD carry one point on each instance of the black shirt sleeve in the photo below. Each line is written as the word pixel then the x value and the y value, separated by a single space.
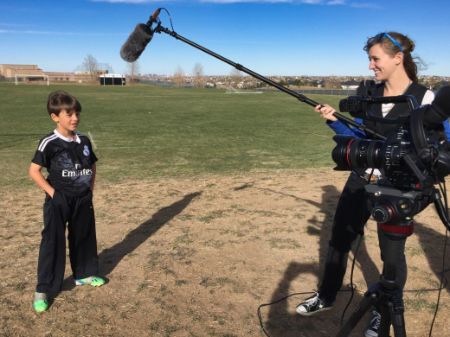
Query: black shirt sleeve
pixel 40 158
pixel 94 158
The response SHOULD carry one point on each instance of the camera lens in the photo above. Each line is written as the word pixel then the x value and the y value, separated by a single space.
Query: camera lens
pixel 383 213
pixel 351 153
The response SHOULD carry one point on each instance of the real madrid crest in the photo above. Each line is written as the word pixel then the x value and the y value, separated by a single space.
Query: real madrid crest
pixel 86 151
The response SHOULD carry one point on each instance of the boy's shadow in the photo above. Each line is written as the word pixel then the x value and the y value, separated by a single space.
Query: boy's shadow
pixel 280 322
pixel 109 258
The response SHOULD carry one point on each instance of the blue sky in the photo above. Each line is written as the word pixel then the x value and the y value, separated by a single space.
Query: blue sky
pixel 271 37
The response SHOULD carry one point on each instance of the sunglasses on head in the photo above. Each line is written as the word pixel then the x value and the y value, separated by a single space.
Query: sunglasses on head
pixel 381 36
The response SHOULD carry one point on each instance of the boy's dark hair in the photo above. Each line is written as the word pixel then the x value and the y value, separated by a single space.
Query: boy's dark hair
pixel 61 100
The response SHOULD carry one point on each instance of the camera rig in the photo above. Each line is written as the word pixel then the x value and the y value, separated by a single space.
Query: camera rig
pixel 413 159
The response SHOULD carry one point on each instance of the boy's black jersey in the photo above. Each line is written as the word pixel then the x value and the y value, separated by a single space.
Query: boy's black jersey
pixel 68 162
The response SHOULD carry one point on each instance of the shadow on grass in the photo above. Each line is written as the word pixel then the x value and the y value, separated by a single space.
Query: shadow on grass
pixel 283 323
pixel 109 258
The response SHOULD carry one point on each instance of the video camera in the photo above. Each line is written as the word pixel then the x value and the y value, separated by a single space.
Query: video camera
pixel 412 159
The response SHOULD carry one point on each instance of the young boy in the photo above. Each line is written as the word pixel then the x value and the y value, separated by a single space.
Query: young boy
pixel 68 157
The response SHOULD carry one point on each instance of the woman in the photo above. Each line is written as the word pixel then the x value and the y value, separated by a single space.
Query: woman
pixel 395 74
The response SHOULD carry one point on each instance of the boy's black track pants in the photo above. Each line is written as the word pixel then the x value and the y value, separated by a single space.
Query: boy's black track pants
pixel 78 213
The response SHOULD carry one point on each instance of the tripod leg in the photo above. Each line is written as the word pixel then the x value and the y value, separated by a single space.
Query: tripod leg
pixel 365 305
pixel 393 280
pixel 385 323
pixel 397 318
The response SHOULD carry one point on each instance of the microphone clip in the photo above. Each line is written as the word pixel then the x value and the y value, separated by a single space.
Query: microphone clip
pixel 154 18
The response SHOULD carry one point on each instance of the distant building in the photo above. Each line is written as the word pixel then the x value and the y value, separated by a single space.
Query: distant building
pixel 11 70
pixel 29 73
pixel 350 85
pixel 23 73
pixel 58 76
pixel 112 79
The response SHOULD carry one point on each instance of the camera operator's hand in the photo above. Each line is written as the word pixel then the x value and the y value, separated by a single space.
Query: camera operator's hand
pixel 326 112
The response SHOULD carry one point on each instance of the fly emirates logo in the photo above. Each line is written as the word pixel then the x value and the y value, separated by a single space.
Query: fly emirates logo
pixel 78 172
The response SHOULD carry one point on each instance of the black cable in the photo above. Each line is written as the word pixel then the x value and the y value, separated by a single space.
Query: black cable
pixel 170 18
pixel 275 302
pixel 355 254
pixel 312 292
pixel 443 190
pixel 441 285
pixel 352 287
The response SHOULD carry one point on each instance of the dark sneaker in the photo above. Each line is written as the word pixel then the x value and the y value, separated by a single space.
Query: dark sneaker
pixel 312 305
pixel 374 325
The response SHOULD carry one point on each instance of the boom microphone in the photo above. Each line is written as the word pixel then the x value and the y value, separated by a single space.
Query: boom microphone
pixel 138 39
pixel 136 43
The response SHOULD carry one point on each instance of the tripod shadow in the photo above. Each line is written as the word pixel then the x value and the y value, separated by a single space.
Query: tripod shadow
pixel 280 322
pixel 109 258
pixel 432 243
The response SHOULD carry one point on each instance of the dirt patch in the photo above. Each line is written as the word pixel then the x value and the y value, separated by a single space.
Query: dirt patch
pixel 196 257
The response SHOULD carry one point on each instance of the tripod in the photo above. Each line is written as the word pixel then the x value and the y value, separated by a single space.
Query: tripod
pixel 387 294
pixel 387 298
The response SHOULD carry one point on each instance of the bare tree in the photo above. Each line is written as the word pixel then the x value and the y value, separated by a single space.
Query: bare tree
pixel 178 77
pixel 133 71
pixel 91 67
pixel 235 76
pixel 197 73
pixel 331 83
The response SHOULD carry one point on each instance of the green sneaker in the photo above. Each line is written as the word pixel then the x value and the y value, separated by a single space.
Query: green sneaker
pixel 94 281
pixel 40 302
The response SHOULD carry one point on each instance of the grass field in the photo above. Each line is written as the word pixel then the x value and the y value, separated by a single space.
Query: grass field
pixel 207 205
pixel 146 131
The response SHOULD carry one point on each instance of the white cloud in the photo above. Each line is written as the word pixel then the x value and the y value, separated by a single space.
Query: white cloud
pixel 43 32
pixel 14 25
pixel 308 2
pixel 368 5
pixel 313 2
pixel 127 1
pixel 336 2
